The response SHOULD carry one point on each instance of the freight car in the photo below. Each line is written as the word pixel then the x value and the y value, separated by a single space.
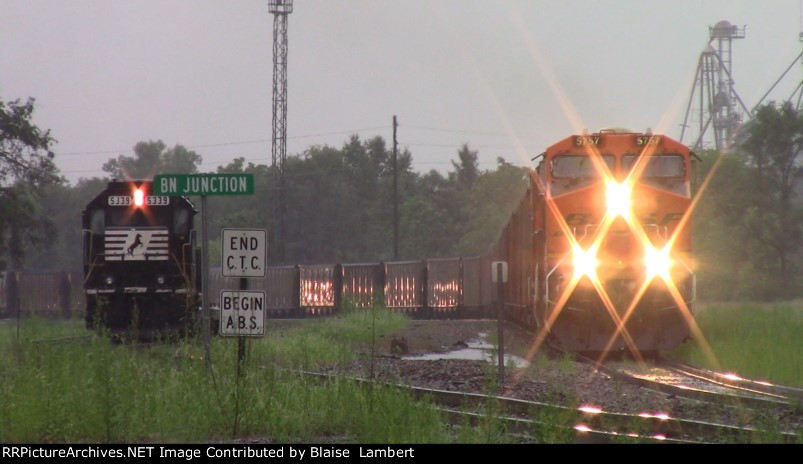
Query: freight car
pixel 138 261
pixel 598 252
pixel 434 288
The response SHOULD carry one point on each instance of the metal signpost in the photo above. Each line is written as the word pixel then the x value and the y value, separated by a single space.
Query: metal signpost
pixel 244 253
pixel 204 185
pixel 499 277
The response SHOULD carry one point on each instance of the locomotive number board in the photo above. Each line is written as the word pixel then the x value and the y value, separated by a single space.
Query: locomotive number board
pixel 587 141
pixel 644 140
pixel 151 200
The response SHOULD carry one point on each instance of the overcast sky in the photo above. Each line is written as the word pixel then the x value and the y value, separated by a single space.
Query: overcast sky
pixel 508 77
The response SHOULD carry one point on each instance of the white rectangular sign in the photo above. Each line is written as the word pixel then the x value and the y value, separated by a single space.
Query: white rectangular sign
pixel 245 252
pixel 499 271
pixel 242 313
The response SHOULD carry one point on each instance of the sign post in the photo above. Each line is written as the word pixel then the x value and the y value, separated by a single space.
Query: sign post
pixel 499 277
pixel 242 314
pixel 204 185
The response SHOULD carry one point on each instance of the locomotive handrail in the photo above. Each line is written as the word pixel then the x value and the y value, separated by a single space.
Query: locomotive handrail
pixel 546 280
pixel 658 230
pixel 585 231
pixel 181 268
pixel 187 279
pixel 91 268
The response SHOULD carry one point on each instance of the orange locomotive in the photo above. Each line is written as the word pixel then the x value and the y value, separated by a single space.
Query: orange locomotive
pixel 611 241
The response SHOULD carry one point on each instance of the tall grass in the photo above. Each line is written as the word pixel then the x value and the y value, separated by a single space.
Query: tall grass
pixel 105 392
pixel 757 340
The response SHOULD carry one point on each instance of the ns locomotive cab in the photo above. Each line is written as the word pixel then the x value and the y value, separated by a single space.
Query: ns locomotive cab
pixel 138 260
pixel 612 242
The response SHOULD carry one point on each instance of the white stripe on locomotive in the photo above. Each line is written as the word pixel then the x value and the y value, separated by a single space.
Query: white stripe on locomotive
pixel 136 244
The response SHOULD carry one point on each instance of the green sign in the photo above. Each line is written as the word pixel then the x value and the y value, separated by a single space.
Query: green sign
pixel 203 184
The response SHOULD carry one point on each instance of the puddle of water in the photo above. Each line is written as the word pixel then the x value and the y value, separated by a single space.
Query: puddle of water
pixel 477 350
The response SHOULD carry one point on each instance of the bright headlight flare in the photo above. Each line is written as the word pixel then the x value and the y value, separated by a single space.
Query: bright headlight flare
pixel 618 197
pixel 585 262
pixel 139 197
pixel 657 262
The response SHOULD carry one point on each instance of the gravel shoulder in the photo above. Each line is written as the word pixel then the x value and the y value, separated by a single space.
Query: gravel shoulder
pixel 548 378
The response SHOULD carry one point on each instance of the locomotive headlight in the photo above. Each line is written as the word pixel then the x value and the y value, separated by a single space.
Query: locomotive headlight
pixel 109 280
pixel 160 279
pixel 618 197
pixel 585 262
pixel 657 262
pixel 139 197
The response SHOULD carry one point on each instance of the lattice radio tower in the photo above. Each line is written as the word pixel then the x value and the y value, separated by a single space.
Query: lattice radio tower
pixel 280 10
pixel 714 85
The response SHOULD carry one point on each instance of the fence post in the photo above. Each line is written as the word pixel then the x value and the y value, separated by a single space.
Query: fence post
pixel 65 300
pixel 12 298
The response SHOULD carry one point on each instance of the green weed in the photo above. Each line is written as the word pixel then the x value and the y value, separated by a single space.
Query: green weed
pixel 760 341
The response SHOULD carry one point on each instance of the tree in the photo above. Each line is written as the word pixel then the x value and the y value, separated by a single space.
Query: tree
pixel 773 146
pixel 62 204
pixel 26 166
pixel 429 218
pixel 467 171
pixel 151 158
pixel 488 206
pixel 25 153
pixel 728 261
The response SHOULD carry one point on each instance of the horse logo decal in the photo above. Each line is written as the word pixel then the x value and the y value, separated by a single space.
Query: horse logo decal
pixel 137 243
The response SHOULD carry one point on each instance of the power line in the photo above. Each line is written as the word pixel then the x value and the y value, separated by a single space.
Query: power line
pixel 470 145
pixel 306 136
pixel 318 134
pixel 241 142
pixel 457 131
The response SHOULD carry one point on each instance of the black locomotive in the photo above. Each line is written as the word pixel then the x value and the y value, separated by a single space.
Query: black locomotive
pixel 139 261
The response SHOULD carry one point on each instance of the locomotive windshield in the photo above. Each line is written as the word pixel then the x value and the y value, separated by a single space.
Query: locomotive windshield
pixel 571 172
pixel 657 166
pixel 125 217
pixel 578 166
pixel 666 172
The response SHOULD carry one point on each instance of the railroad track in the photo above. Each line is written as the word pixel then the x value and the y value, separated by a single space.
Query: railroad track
pixel 62 340
pixel 760 387
pixel 588 424
pixel 695 383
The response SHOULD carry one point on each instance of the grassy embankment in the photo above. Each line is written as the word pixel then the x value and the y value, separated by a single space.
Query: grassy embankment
pixel 101 392
pixel 755 340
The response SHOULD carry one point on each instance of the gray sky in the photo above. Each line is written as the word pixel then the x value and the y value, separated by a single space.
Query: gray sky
pixel 508 77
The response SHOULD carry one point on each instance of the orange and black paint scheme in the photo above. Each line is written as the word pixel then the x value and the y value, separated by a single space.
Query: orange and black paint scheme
pixel 612 242
pixel 139 261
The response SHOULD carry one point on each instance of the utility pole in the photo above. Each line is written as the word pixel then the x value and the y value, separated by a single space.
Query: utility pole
pixel 280 10
pixel 395 195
